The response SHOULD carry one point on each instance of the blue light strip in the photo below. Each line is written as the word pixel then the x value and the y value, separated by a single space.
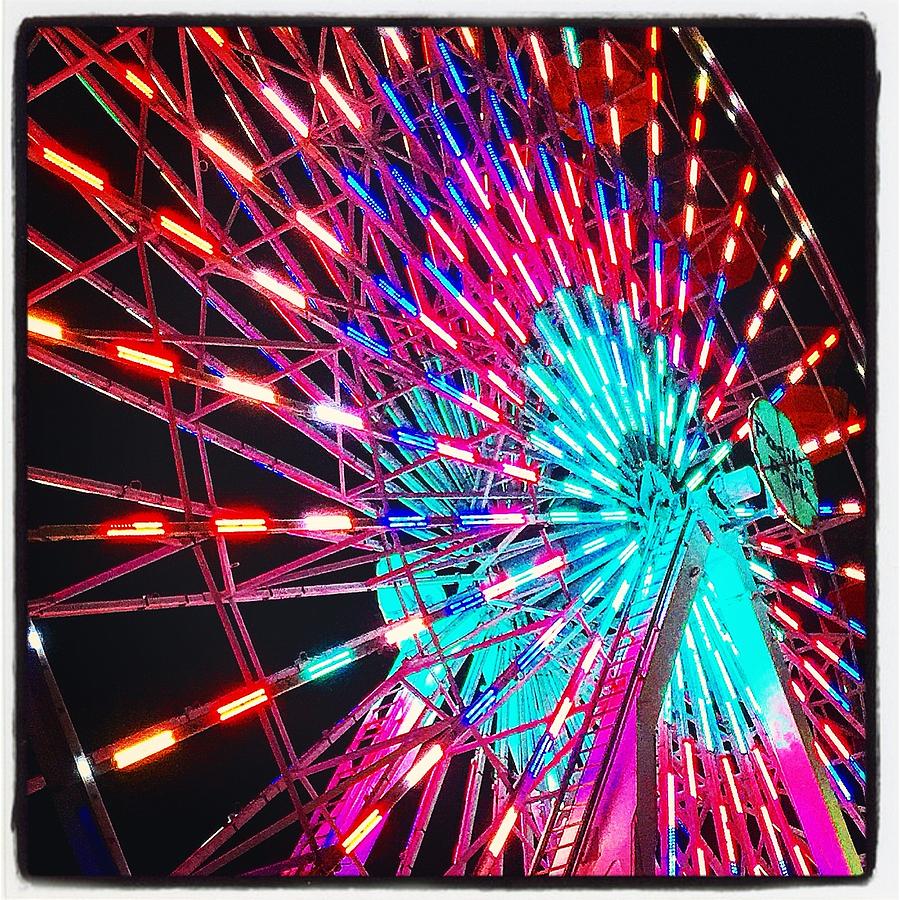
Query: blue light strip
pixel 409 190
pixel 720 288
pixel 464 207
pixel 397 102
pixel 452 289
pixel 360 190
pixel 401 299
pixel 587 124
pixel 479 706
pixel 850 670
pixel 837 780
pixel 356 334
pixel 601 197
pixel 443 384
pixel 418 439
pixel 548 168
pixel 465 601
pixel 244 208
pixel 521 90
pixel 622 186
pixel 540 751
pixel 500 115
pixel 499 167
pixel 451 65
pixel 446 130
pixel 405 520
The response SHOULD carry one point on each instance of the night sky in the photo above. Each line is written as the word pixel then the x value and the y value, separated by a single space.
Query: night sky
pixel 807 88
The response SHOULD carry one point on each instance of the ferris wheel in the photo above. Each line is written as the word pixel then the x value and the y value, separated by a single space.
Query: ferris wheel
pixel 516 338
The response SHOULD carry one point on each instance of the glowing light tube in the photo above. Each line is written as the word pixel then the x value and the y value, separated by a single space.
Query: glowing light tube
pixel 160 363
pixel 288 114
pixel 474 520
pixel 395 38
pixel 328 522
pixel 247 389
pixel 44 327
pixel 137 529
pixel 502 833
pixel 340 102
pixel 317 230
pixel 230 159
pixel 170 225
pixel 137 82
pixel 238 526
pixel 328 664
pixel 493 591
pixel 501 383
pixel 562 713
pixel 423 765
pixel 404 630
pixel 358 835
pixel 334 415
pixel 76 171
pixel 279 288
pixel 215 36
pixel 688 748
pixel 520 472
pixel 144 748
pixel 539 58
pixel 242 704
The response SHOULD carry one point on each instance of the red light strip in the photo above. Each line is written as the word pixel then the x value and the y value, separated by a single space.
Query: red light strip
pixel 242 704
pixel 137 529
pixel 238 526
pixel 185 234
pixel 159 363
pixel 73 169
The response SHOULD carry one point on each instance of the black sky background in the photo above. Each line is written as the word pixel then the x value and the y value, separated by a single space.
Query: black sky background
pixel 807 88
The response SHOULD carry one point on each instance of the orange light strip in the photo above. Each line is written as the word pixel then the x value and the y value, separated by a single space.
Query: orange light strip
pixel 539 58
pixel 339 100
pixel 287 113
pixel 519 472
pixel 45 328
pixel 149 746
pixel 424 765
pixel 395 38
